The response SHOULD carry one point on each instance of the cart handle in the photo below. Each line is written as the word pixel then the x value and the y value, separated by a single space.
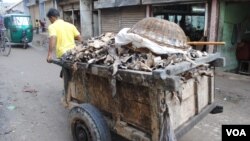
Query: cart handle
pixel 206 43
pixel 56 61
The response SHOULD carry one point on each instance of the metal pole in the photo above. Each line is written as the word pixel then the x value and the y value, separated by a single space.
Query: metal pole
pixel 1 7
pixel 99 21
pixel 73 18
pixel 206 20
pixel 148 14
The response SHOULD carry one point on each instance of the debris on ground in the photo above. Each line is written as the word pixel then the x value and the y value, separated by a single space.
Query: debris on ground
pixel 11 107
pixel 29 89
pixel 1 104
pixel 7 132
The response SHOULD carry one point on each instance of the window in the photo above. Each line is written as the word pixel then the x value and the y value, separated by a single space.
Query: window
pixel 21 20
pixel 190 17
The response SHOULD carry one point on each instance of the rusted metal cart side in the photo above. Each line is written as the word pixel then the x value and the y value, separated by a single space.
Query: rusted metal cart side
pixel 140 106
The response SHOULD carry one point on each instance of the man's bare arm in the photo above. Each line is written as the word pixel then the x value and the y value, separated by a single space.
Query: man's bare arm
pixel 52 44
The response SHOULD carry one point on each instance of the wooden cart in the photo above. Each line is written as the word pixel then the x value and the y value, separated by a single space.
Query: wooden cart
pixel 140 106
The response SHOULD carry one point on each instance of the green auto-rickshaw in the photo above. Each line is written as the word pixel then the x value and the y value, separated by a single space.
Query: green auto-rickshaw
pixel 19 29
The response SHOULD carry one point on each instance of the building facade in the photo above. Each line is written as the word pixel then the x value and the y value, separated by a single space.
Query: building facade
pixel 201 20
pixel 70 11
pixel 198 18
pixel 234 29
pixel 16 8
pixel 38 8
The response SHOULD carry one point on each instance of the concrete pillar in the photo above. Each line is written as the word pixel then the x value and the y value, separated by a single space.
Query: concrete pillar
pixel 206 20
pixel 221 22
pixel 148 11
pixel 42 10
pixel 95 24
pixel 213 24
pixel 86 18
pixel 99 22
pixel 26 9
pixel 54 4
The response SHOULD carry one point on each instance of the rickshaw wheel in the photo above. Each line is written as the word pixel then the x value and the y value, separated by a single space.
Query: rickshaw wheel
pixel 6 47
pixel 25 45
pixel 88 124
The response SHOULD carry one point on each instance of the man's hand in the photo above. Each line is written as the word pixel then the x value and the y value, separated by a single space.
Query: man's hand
pixel 80 39
pixel 49 59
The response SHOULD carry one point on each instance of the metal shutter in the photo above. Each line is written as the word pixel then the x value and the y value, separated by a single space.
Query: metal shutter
pixel 110 20
pixel 131 15
pixel 113 20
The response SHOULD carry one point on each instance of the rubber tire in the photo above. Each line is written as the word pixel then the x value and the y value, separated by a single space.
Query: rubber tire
pixel 93 122
pixel 25 45
pixel 7 47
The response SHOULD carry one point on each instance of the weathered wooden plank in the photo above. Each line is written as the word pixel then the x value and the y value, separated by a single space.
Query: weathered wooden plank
pixel 135 105
pixel 157 80
pixel 71 91
pixel 220 62
pixel 155 118
pixel 80 90
pixel 182 109
pixel 130 133
pixel 187 126
pixel 185 66
pixel 211 88
pixel 100 93
pixel 202 92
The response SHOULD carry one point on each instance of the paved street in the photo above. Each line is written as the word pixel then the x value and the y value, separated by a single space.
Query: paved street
pixel 30 108
pixel 27 116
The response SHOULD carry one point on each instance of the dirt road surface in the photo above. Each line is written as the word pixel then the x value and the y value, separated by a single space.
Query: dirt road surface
pixel 30 107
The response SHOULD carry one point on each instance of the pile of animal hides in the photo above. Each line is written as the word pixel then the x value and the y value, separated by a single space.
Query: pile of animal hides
pixel 143 47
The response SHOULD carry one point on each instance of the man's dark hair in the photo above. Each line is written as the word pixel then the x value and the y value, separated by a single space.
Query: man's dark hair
pixel 53 13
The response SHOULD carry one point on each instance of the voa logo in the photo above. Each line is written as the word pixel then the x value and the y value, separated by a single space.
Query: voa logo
pixel 236 132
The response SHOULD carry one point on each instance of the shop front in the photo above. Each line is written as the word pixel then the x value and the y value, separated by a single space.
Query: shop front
pixel 71 12
pixel 235 31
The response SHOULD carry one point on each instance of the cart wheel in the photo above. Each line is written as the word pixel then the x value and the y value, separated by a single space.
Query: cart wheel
pixel 87 124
